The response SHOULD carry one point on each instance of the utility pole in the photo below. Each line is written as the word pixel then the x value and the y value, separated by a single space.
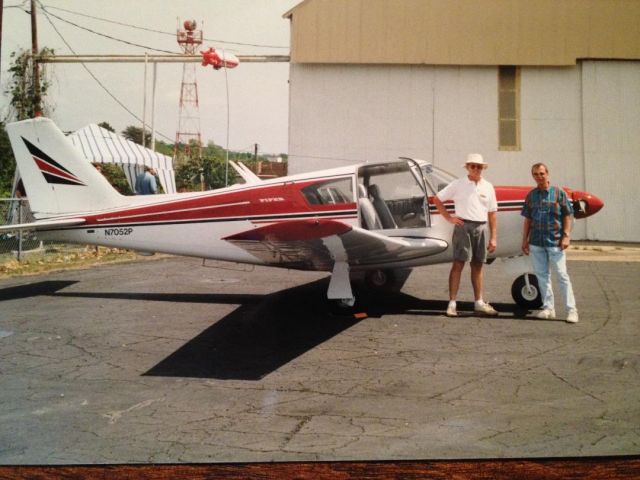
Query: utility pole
pixel 1 10
pixel 37 101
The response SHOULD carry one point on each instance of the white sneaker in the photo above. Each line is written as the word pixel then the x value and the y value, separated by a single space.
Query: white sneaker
pixel 451 310
pixel 572 316
pixel 485 309
pixel 547 313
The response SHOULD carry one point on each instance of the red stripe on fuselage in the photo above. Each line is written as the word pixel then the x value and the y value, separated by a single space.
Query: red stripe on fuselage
pixel 305 216
pixel 276 200
pixel 254 202
pixel 513 194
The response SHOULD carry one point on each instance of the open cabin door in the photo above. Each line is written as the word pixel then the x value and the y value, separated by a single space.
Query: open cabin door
pixel 391 196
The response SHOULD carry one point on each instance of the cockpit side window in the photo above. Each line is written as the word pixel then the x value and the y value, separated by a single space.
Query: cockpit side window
pixel 331 192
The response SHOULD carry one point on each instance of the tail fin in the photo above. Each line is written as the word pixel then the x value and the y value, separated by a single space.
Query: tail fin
pixel 57 178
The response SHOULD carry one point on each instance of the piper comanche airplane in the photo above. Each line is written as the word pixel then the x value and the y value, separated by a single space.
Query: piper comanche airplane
pixel 369 219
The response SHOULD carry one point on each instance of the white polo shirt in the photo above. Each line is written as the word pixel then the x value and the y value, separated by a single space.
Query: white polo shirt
pixel 473 201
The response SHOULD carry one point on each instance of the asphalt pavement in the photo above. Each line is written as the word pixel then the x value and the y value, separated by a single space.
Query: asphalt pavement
pixel 172 361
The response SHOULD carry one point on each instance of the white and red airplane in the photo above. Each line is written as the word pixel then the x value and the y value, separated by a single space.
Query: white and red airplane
pixel 369 219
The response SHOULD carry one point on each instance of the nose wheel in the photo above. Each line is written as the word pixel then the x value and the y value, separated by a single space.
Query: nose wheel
pixel 526 292
pixel 345 306
pixel 344 303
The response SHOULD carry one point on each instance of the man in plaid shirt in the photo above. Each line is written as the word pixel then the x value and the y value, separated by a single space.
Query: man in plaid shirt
pixel 546 235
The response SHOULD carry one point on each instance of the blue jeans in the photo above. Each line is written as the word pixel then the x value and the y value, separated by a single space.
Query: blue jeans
pixel 545 259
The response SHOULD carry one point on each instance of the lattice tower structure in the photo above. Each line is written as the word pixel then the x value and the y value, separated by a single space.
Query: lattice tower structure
pixel 188 138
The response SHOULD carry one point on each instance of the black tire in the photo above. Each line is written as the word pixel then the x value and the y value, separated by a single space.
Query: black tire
pixel 531 299
pixel 380 279
pixel 339 308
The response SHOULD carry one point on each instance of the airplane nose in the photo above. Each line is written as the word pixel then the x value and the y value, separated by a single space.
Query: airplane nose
pixel 595 204
pixel 586 204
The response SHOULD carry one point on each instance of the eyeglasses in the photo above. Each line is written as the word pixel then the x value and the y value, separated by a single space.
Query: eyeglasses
pixel 475 166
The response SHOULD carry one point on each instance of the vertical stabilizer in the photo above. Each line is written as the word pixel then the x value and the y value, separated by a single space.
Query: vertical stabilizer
pixel 58 180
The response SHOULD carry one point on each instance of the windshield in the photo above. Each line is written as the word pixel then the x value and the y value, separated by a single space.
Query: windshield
pixel 435 177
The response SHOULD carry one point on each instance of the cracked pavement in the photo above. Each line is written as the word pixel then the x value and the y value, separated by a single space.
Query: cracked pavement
pixel 168 361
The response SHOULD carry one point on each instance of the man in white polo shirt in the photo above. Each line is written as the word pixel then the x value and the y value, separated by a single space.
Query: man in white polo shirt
pixel 476 206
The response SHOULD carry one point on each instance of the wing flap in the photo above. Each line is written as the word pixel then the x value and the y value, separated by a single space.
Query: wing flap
pixel 293 230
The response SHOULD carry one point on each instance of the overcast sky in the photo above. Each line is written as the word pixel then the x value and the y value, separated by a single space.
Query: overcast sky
pixel 258 92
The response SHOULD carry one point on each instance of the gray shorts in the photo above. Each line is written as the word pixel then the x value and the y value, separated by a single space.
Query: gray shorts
pixel 470 242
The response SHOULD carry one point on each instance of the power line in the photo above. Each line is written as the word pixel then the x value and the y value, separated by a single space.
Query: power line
pixel 96 78
pixel 46 12
pixel 172 34
pixel 21 6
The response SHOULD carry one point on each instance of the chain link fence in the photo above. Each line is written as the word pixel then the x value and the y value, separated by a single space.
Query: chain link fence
pixel 22 244
pixel 14 244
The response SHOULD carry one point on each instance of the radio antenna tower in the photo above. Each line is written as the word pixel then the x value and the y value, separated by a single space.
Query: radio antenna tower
pixel 188 139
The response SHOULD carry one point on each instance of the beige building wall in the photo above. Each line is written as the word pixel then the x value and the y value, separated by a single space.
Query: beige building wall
pixel 464 32
pixel 340 115
pixel 575 119
pixel 611 106
pixel 371 80
pixel 348 114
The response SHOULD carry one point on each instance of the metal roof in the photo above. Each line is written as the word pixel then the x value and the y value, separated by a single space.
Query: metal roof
pixel 464 32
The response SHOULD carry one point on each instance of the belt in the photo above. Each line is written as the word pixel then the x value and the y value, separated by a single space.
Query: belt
pixel 472 221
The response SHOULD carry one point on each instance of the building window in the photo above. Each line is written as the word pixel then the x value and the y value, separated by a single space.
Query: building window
pixel 509 108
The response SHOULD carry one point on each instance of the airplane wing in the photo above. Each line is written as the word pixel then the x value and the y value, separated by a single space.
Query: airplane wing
pixel 316 244
pixel 42 224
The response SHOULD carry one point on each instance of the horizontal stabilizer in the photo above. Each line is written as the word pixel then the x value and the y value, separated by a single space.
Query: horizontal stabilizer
pixel 43 225
pixel 245 173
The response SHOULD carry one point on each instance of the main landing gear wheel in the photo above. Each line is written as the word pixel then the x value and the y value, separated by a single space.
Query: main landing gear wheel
pixel 380 279
pixel 527 296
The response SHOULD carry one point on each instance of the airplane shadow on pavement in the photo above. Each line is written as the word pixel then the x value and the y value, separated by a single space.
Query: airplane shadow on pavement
pixel 258 337
pixel 266 331
pixel 34 289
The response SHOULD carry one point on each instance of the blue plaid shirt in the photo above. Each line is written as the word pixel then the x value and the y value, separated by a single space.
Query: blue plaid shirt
pixel 545 209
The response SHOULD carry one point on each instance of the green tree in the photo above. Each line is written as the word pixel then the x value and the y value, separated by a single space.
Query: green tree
pixel 135 135
pixel 7 163
pixel 22 88
pixel 164 148
pixel 212 168
pixel 114 174
pixel 107 126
